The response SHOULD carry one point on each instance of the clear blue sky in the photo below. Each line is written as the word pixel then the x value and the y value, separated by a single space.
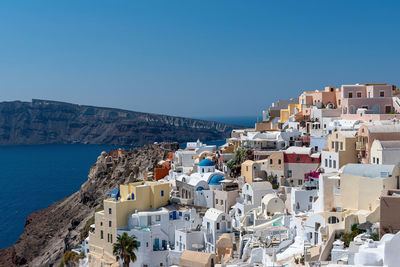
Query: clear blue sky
pixel 193 58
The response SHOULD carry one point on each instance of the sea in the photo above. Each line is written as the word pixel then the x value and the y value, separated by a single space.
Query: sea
pixel 35 176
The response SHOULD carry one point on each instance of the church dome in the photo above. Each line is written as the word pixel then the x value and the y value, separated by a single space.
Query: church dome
pixel 216 179
pixel 206 163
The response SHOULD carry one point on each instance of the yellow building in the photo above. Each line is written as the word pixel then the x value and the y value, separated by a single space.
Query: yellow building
pixel 286 113
pixel 127 199
pixel 254 169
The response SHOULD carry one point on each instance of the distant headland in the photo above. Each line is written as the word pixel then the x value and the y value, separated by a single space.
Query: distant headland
pixel 54 122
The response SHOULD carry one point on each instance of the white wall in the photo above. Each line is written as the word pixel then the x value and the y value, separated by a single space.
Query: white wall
pixel 330 161
pixel 300 200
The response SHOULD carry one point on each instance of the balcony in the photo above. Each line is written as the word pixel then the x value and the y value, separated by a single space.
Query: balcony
pixel 360 146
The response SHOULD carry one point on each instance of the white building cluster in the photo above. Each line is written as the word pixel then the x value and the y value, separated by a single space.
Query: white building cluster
pixel 316 182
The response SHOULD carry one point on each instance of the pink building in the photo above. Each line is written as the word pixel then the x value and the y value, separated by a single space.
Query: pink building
pixel 376 98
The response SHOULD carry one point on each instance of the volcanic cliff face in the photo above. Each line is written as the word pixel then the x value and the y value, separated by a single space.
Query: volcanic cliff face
pixel 50 232
pixel 49 122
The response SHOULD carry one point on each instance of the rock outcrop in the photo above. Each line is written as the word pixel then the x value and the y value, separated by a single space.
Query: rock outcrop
pixel 50 232
pixel 50 122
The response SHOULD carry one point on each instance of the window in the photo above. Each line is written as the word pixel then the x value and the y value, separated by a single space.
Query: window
pixel 300 182
pixel 101 234
pixel 270 161
pixel 382 93
pixel 247 168
pixel 373 160
pixel 341 145
pixel 229 225
pixel 279 161
pixel 334 164
pixel 377 160
pixel 158 218
pixel 333 220
pixel 162 193
pixel 326 162
pixel 222 202
pixel 311 198
pixel 330 163
pixel 333 145
pixel 297 159
pixel 109 211
pixel 223 218
pixel 317 225
pixel 350 94
pixel 359 94
pixel 147 244
pixel 138 244
pixel 216 201
pixel 101 223
pixel 109 223
pixel 289 173
pixel 217 226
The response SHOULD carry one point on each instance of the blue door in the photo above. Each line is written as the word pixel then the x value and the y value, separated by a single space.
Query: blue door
pixel 164 244
pixel 156 244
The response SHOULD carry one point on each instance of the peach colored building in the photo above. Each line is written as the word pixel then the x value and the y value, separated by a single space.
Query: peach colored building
pixel 368 132
pixel 376 98
pixel 330 98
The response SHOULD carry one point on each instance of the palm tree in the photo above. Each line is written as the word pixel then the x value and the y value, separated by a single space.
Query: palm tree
pixel 125 248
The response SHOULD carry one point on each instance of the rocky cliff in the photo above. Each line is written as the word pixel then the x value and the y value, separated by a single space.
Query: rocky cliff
pixel 50 232
pixel 49 122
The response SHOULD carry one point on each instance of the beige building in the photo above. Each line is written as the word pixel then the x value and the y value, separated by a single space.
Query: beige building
pixel 361 185
pixel 276 165
pixel 368 132
pixel 191 258
pixel 385 152
pixel 390 207
pixel 354 195
pixel 341 150
pixel 127 199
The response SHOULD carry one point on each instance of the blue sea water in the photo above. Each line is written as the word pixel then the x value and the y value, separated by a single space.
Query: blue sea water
pixel 33 177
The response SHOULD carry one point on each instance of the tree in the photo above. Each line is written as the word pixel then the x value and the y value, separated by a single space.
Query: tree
pixel 71 259
pixel 273 179
pixel 125 248
pixel 241 155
